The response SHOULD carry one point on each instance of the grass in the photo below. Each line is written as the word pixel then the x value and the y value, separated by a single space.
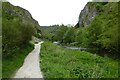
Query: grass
pixel 58 62
pixel 11 64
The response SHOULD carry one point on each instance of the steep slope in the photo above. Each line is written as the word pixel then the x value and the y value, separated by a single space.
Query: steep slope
pixel 13 12
pixel 100 26
pixel 91 10
pixel 18 27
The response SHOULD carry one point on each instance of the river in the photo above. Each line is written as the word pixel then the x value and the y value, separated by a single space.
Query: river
pixel 70 47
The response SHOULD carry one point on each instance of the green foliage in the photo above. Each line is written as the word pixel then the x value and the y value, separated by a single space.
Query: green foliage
pixel 60 33
pixel 100 35
pixel 38 35
pixel 79 36
pixel 109 36
pixel 16 32
pixel 94 30
pixel 69 36
pixel 58 62
pixel 47 32
pixel 82 37
pixel 12 64
pixel 102 32
pixel 27 30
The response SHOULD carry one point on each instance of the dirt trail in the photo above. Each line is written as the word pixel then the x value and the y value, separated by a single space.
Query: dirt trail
pixel 31 66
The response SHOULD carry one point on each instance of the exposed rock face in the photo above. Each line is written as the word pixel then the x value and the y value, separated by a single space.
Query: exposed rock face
pixel 18 13
pixel 87 14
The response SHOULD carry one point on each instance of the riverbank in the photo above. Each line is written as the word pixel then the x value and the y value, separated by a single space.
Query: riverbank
pixel 59 62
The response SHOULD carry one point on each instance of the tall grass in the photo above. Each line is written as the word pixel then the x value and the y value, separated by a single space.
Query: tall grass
pixel 57 62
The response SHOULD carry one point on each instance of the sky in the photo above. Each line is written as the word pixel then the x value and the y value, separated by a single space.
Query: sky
pixel 51 12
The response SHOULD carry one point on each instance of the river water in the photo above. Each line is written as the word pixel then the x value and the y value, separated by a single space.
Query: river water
pixel 74 48
pixel 70 47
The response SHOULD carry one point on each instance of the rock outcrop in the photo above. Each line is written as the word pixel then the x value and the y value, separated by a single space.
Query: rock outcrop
pixel 17 12
pixel 89 12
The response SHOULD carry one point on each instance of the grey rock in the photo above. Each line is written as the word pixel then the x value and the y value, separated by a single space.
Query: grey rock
pixel 87 14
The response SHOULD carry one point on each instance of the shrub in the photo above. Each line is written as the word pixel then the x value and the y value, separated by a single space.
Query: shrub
pixel 15 34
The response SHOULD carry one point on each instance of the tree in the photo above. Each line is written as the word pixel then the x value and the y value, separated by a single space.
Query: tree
pixel 82 37
pixel 94 30
pixel 69 36
pixel 15 34
pixel 79 36
pixel 60 33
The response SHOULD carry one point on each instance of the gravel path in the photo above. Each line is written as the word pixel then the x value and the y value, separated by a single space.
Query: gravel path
pixel 31 66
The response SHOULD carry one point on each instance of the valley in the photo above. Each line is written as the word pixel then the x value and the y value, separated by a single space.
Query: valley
pixel 88 49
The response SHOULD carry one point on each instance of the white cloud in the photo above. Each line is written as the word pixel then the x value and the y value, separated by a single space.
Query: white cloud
pixel 50 12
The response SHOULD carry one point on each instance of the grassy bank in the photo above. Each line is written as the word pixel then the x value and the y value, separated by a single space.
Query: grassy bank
pixel 57 62
pixel 11 64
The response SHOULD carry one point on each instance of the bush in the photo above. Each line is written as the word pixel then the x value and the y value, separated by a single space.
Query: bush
pixel 15 34
pixel 69 36
pixel 59 34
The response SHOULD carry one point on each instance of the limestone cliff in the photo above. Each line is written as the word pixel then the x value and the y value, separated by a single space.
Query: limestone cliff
pixel 89 12
pixel 17 12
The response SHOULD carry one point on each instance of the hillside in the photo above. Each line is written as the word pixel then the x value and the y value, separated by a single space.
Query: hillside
pixel 93 9
pixel 13 12
pixel 48 31
pixel 96 31
pixel 18 27
pixel 90 11
pixel 98 27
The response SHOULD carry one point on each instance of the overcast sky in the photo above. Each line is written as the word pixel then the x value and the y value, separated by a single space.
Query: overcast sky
pixel 50 12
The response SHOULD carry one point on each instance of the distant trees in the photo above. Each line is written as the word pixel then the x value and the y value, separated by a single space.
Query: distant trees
pixel 60 33
pixel 69 36
pixel 101 34
pixel 64 34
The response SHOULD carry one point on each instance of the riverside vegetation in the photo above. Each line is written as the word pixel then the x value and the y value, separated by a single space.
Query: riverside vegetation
pixel 96 30
pixel 98 33
pixel 100 36
pixel 58 62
